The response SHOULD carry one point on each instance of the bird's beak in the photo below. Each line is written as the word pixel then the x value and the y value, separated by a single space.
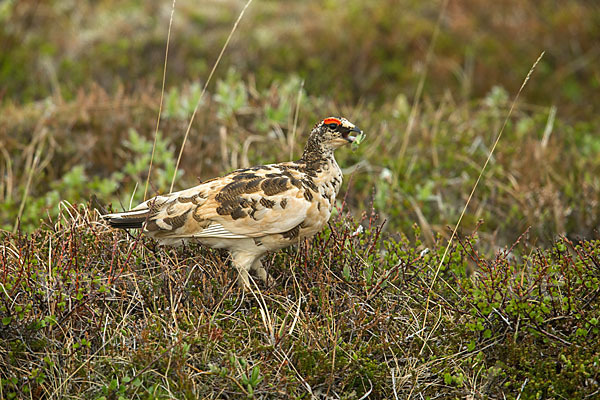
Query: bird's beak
pixel 348 135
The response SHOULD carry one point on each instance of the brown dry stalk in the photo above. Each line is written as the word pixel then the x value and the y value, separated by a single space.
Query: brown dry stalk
pixel 292 139
pixel 30 173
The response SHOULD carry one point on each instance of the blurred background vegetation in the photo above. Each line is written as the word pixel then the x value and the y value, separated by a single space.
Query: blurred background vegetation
pixel 80 89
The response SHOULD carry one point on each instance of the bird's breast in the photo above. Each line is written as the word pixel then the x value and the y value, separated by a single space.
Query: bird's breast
pixel 328 183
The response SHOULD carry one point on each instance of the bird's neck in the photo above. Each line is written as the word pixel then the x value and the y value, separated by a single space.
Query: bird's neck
pixel 326 173
pixel 323 168
pixel 320 166
pixel 316 155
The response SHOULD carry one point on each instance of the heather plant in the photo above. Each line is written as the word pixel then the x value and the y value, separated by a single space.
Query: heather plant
pixel 347 315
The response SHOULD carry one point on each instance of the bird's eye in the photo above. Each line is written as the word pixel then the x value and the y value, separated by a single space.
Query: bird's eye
pixel 332 126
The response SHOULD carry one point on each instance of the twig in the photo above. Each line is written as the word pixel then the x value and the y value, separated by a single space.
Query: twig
pixel 366 395
pixel 522 388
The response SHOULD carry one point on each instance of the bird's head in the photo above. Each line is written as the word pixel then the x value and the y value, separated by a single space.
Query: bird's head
pixel 334 132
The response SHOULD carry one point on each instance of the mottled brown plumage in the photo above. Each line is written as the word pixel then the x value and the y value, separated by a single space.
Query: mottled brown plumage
pixel 254 210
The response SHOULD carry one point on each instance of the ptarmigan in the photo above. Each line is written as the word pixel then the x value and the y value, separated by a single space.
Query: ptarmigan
pixel 253 210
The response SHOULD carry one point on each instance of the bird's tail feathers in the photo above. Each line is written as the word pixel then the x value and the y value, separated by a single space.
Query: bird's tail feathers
pixel 127 219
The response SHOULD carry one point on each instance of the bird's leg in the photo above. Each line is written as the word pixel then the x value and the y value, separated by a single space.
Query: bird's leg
pixel 261 272
pixel 243 263
pixel 243 280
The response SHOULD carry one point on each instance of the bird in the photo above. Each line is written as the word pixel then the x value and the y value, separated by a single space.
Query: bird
pixel 251 211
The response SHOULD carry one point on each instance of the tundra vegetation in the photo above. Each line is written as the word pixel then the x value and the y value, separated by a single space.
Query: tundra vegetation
pixel 365 308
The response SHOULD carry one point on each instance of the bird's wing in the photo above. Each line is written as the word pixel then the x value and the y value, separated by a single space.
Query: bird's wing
pixel 247 203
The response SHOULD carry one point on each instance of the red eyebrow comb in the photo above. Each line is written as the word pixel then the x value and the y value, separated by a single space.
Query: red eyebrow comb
pixel 332 121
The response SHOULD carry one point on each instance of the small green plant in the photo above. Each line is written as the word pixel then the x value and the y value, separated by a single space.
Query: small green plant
pixel 250 376
pixel 359 139
pixel 136 169
pixel 231 95
pixel 179 104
